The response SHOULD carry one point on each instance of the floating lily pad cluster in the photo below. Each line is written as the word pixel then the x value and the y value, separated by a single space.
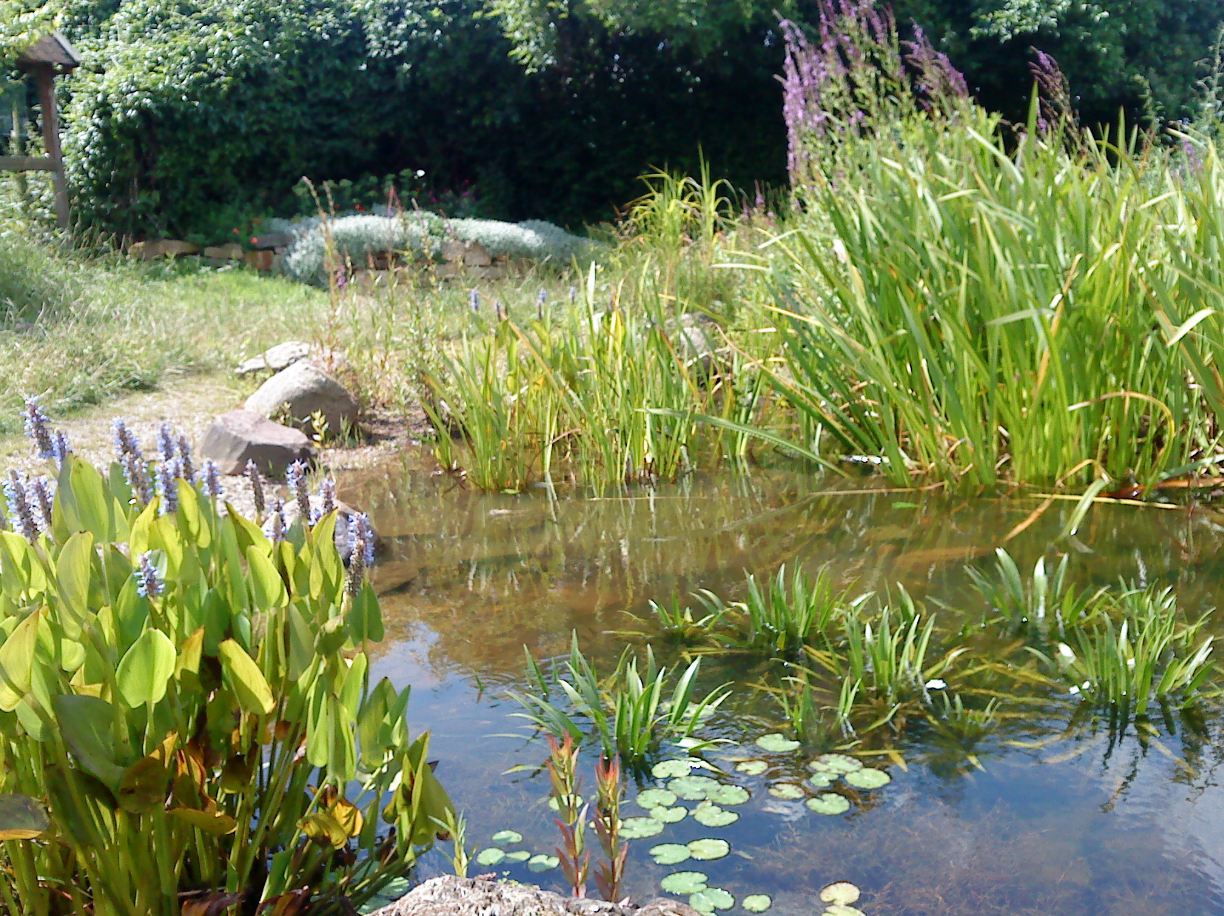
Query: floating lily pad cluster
pixel 501 853
pixel 825 771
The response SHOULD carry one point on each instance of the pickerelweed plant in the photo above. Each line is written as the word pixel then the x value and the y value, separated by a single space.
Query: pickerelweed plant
pixel 631 712
pixel 186 713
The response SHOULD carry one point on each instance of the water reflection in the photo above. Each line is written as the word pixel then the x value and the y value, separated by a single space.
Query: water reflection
pixel 1070 814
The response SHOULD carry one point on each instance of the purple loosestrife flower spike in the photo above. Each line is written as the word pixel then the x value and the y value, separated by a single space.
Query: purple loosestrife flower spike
pixel 60 448
pixel 147 583
pixel 274 527
pixel 38 428
pixel 44 495
pixel 184 451
pixel 257 491
pixel 20 513
pixel 295 477
pixel 211 476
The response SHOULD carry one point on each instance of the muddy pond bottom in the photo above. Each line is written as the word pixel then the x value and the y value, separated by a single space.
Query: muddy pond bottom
pixel 1056 809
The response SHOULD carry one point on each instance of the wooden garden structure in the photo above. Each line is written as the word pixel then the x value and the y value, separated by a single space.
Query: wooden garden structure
pixel 41 63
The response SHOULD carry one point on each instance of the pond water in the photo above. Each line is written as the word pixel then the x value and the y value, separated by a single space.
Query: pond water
pixel 1065 814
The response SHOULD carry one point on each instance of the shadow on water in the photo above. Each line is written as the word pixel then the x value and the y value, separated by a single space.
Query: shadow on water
pixel 1067 814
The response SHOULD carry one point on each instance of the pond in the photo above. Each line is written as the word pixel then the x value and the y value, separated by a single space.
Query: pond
pixel 1057 810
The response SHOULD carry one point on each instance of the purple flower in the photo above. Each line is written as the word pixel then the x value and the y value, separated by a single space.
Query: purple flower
pixel 184 452
pixel 147 583
pixel 60 448
pixel 20 513
pixel 327 501
pixel 296 478
pixel 541 301
pixel 165 442
pixel 474 301
pixel 44 495
pixel 168 473
pixel 211 477
pixel 274 527
pixel 38 429
pixel 361 551
pixel 257 491
pixel 1054 93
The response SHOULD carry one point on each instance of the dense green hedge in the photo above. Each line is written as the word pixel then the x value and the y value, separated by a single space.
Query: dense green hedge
pixel 192 116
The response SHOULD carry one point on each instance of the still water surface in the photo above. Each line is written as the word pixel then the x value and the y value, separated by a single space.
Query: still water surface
pixel 1065 816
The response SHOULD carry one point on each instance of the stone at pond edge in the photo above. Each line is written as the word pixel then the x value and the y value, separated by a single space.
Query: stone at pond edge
pixel 449 895
pixel 240 436
pixel 307 390
pixel 276 358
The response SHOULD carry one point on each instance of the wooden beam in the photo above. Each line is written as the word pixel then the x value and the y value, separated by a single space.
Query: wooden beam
pixel 44 80
pixel 26 164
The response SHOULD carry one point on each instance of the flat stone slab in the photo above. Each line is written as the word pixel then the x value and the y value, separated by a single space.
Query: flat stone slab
pixel 240 436
pixel 449 896
pixel 274 359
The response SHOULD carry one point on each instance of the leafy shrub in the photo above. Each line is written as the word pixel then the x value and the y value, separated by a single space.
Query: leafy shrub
pixel 530 240
pixel 186 712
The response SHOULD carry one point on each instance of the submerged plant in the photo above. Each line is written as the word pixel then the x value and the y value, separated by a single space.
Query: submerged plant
pixel 631 712
pixel 787 614
pixel 1043 605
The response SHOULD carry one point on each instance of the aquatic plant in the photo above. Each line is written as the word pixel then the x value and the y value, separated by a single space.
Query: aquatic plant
pixel 609 793
pixel 676 621
pixel 787 615
pixel 1044 604
pixel 188 719
pixel 571 817
pixel 630 712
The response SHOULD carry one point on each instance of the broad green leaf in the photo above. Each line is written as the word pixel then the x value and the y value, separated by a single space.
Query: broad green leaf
pixel 365 617
pixel 245 679
pixel 267 587
pixel 17 661
pixel 214 823
pixel 22 818
pixel 146 669
pixel 85 723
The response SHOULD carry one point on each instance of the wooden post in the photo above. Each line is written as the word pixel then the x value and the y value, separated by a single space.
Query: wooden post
pixel 44 82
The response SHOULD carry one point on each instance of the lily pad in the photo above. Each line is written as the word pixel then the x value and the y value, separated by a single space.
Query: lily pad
pixel 822 780
pixel 835 763
pixel 711 900
pixel 639 828
pixel 752 768
pixel 841 893
pixel 709 815
pixel 829 803
pixel 521 855
pixel 668 769
pixel 505 838
pixel 786 790
pixel 838 910
pixel 542 863
pixel 728 795
pixel 653 798
pixel 490 857
pixel 868 778
pixel 776 743
pixel 684 882
pixel 669 815
pixel 556 806
pixel 693 788
pixel 757 903
pixel 709 849
pixel 670 853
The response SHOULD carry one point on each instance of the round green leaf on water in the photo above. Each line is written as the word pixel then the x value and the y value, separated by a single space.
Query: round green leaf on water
pixel 670 853
pixel 868 778
pixel 829 803
pixel 542 863
pixel 709 849
pixel 692 788
pixel 711 900
pixel 728 795
pixel 556 806
pixel 669 815
pixel 757 903
pixel 835 763
pixel 786 790
pixel 776 743
pixel 684 882
pixel 838 910
pixel 521 855
pixel 507 838
pixel 669 769
pixel 752 768
pixel 653 798
pixel 639 828
pixel 709 815
pixel 821 780
pixel 491 856
pixel 841 893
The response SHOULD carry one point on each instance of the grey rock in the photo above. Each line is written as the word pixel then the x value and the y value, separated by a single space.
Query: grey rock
pixel 306 389
pixel 240 436
pixel 274 359
pixel 485 896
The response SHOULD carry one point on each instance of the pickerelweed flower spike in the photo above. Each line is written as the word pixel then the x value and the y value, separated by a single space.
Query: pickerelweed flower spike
pixel 327 501
pixel 44 495
pixel 38 428
pixel 184 452
pixel 19 510
pixel 274 527
pixel 361 551
pixel 541 301
pixel 257 491
pixel 168 473
pixel 60 449
pixel 211 479
pixel 474 301
pixel 296 478
pixel 147 583
pixel 166 444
